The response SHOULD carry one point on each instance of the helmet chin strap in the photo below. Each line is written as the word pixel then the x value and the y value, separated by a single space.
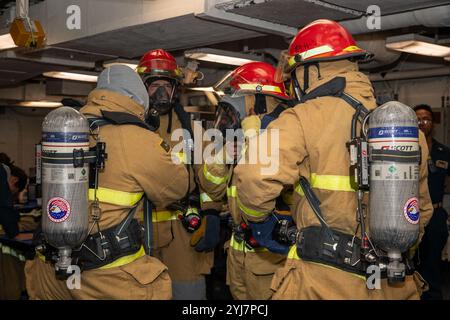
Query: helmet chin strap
pixel 260 106
pixel 299 91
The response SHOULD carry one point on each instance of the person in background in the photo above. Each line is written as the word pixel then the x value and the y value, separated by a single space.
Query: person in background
pixel 436 232
pixel 12 181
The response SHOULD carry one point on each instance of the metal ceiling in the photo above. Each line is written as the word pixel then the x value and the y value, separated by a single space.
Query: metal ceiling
pixel 293 13
pixel 6 4
pixel 297 13
pixel 13 71
pixel 182 32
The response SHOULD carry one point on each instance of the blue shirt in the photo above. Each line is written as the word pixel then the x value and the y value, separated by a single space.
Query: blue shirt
pixel 438 169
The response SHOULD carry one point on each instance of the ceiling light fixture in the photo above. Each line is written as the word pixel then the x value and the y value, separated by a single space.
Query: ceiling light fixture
pixel 39 104
pixel 6 42
pixel 221 56
pixel 417 44
pixel 75 76
pixel 129 63
pixel 207 89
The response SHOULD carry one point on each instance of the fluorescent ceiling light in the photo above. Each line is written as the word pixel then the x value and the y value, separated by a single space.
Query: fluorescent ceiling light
pixel 416 44
pixel 40 104
pixel 6 42
pixel 71 76
pixel 207 89
pixel 221 56
pixel 132 64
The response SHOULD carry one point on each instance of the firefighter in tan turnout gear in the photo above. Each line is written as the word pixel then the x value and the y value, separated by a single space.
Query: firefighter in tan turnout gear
pixel 184 236
pixel 338 236
pixel 114 263
pixel 253 99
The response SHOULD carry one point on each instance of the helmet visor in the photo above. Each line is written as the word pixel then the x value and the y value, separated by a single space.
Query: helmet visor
pixel 236 85
pixel 227 117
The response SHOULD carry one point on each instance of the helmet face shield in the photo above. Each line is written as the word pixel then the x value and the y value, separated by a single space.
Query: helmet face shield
pixel 224 84
pixel 227 117
pixel 250 79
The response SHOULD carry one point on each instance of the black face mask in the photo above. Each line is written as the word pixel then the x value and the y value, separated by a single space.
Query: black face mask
pixel 152 119
pixel 161 101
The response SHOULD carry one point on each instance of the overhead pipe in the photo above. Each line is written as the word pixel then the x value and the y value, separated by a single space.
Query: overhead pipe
pixel 411 74
pixel 430 17
pixel 22 8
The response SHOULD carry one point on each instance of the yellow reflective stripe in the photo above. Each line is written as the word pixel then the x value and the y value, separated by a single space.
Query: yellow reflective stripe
pixel 248 211
pixel 11 252
pixel 352 48
pixel 315 51
pixel 236 245
pixel 254 86
pixel 181 156
pixel 331 182
pixel 212 178
pixel 125 260
pixel 310 53
pixel 204 197
pixel 164 215
pixel 327 182
pixel 141 69
pixel 120 198
pixel 293 255
pixel 231 192
pixel 299 189
pixel 40 256
pixel 291 61
pixel 243 248
pixel 191 210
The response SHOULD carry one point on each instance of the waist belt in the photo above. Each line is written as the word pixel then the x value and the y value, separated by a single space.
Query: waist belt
pixel 106 247
pixel 437 205
pixel 343 251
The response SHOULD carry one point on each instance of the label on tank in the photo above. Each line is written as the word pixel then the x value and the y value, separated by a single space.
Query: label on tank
pixel 65 175
pixel 66 137
pixel 64 142
pixel 58 209
pixel 393 132
pixel 394 171
pixel 411 210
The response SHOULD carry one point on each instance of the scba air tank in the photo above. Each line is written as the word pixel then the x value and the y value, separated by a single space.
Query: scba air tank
pixel 64 186
pixel 394 179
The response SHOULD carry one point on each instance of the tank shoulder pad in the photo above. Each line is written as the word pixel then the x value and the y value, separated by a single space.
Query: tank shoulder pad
pixel 118 118
pixel 334 88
